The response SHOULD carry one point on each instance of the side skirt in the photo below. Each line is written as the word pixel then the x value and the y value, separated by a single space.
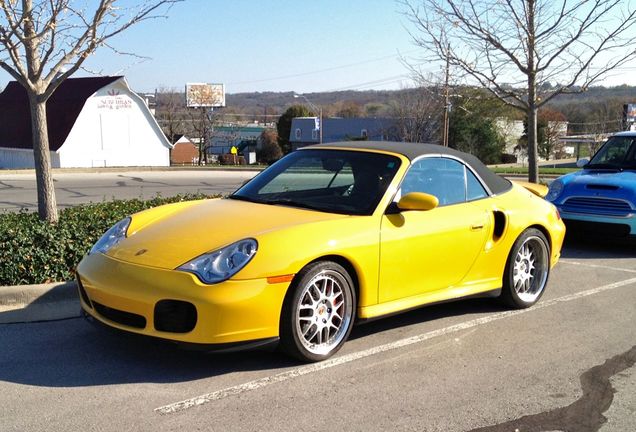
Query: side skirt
pixel 487 294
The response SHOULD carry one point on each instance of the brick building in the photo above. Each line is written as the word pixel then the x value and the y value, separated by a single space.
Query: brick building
pixel 184 152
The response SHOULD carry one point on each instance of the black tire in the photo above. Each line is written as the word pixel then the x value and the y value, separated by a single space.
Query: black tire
pixel 527 270
pixel 320 304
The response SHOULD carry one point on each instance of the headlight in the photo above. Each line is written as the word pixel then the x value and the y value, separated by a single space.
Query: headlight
pixel 217 266
pixel 113 236
pixel 556 187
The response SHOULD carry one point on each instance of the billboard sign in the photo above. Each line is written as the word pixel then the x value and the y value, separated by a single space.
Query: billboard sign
pixel 205 95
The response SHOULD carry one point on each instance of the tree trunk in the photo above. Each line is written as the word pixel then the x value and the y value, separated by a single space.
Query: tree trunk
pixel 201 149
pixel 533 169
pixel 47 207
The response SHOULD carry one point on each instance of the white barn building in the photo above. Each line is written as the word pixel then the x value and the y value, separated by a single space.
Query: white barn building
pixel 92 122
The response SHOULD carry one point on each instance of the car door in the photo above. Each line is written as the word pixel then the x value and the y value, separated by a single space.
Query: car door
pixel 425 251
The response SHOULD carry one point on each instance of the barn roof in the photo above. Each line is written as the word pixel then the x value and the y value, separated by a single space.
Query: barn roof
pixel 62 110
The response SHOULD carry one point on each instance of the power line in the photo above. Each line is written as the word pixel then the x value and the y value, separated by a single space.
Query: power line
pixel 377 59
pixel 387 80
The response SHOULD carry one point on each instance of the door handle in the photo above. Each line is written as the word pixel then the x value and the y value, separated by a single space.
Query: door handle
pixel 477 227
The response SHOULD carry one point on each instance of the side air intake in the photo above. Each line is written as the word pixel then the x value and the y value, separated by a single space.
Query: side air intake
pixel 500 224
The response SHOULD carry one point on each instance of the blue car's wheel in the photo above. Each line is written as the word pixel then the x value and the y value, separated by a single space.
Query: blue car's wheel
pixel 527 269
pixel 318 313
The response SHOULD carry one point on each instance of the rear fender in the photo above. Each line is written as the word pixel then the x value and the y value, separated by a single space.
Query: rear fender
pixel 538 189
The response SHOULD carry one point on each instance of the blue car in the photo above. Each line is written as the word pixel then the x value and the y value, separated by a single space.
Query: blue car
pixel 601 199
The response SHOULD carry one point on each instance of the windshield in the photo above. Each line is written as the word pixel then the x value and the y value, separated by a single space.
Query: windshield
pixel 335 181
pixel 618 152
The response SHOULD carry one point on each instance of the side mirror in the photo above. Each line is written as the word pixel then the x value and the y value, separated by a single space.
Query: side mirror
pixel 582 162
pixel 418 201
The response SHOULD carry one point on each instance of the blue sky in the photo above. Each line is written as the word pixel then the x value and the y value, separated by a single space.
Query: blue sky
pixel 271 45
pixel 268 45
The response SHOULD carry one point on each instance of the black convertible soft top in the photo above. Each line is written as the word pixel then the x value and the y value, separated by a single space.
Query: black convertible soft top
pixel 495 183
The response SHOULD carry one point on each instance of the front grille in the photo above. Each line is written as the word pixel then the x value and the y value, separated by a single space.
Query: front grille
pixel 120 317
pixel 598 205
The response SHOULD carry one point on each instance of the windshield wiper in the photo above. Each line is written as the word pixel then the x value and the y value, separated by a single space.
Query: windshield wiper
pixel 243 198
pixel 286 201
pixel 292 203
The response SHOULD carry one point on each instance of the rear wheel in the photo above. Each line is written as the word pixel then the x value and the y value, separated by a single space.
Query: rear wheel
pixel 318 313
pixel 527 270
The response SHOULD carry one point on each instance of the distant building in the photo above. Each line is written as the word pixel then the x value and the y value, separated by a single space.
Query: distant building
pixel 243 137
pixel 513 130
pixel 92 122
pixel 184 151
pixel 305 130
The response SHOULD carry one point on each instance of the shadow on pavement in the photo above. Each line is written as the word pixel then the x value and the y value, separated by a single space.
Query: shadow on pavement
pixel 593 247
pixel 427 313
pixel 75 353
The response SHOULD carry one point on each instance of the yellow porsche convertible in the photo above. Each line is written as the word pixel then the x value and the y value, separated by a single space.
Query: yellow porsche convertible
pixel 329 235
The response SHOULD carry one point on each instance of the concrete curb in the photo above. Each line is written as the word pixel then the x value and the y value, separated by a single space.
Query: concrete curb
pixel 44 302
pixel 230 168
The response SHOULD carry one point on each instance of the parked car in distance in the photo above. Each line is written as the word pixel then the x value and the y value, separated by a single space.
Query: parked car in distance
pixel 329 235
pixel 601 198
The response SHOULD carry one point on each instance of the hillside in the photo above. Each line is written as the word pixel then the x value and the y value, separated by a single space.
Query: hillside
pixel 599 109
pixel 279 101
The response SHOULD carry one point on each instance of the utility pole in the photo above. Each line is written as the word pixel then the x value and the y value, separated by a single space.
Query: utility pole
pixel 446 100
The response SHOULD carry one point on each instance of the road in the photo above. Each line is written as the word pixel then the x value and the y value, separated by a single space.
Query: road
pixel 566 364
pixel 19 190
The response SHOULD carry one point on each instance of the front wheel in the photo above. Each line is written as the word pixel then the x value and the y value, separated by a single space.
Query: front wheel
pixel 527 270
pixel 318 313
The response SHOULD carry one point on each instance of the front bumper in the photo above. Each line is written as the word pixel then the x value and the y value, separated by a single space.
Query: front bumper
pixel 176 306
pixel 557 233
pixel 599 224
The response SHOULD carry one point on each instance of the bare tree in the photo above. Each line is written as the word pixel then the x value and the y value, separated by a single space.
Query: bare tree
pixel 43 42
pixel 554 128
pixel 513 47
pixel 201 121
pixel 604 123
pixel 348 109
pixel 417 114
pixel 170 112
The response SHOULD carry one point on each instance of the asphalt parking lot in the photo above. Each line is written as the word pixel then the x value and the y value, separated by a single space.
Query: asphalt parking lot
pixel 566 364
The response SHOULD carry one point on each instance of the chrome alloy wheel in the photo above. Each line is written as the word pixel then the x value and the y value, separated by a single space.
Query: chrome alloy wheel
pixel 531 267
pixel 323 313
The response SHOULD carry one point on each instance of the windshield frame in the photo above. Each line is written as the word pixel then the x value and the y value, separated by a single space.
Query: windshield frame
pixel 360 171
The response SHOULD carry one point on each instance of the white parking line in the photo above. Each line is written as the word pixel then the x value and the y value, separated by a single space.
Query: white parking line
pixel 596 266
pixel 304 370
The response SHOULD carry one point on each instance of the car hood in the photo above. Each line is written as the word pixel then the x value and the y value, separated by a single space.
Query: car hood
pixel 169 236
pixel 610 184
pixel 618 178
